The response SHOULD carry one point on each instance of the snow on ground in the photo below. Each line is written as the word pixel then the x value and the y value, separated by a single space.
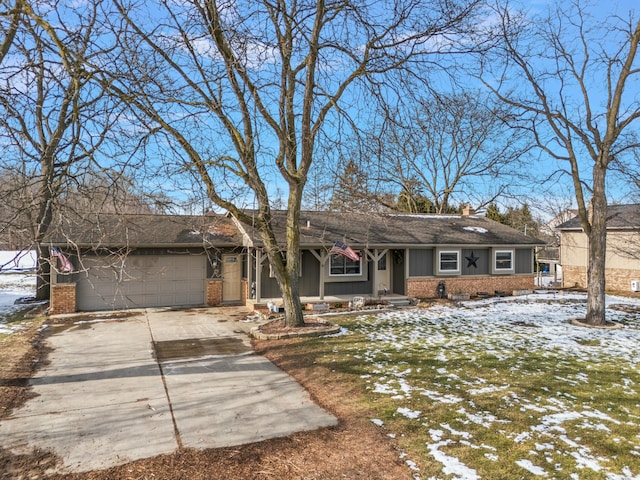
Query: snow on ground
pixel 507 328
pixel 14 286
pixel 17 260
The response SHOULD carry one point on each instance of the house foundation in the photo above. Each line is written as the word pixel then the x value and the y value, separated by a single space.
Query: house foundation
pixel 428 287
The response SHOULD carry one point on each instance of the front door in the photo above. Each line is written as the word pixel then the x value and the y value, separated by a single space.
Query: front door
pixel 231 276
pixel 383 275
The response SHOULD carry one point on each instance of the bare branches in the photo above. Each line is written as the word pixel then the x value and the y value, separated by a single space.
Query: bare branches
pixel 452 149
pixel 552 70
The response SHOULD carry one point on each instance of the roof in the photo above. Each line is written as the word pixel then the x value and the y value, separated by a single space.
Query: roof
pixel 145 230
pixel 618 217
pixel 377 229
pixel 317 229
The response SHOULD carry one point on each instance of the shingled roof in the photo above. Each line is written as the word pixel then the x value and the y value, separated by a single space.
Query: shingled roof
pixel 317 229
pixel 618 217
pixel 399 230
pixel 137 231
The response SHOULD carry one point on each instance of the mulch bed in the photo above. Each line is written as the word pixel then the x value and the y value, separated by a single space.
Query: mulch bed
pixel 310 324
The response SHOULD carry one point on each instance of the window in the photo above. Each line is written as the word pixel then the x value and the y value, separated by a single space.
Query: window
pixel 382 263
pixel 449 262
pixel 504 260
pixel 341 265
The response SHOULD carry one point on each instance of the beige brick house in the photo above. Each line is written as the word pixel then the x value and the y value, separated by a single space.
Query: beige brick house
pixel 623 250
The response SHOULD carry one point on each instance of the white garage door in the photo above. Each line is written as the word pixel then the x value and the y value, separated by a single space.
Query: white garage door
pixel 143 281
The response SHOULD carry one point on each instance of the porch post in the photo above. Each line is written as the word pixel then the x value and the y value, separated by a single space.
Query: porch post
pixel 374 280
pixel 258 280
pixel 249 255
pixel 322 258
pixel 323 266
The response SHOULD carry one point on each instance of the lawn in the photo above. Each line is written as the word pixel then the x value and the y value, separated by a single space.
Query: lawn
pixel 499 388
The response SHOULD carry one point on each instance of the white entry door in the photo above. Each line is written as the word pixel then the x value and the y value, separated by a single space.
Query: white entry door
pixel 383 276
pixel 231 276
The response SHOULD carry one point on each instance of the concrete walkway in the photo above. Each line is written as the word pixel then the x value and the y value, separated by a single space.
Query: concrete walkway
pixel 122 389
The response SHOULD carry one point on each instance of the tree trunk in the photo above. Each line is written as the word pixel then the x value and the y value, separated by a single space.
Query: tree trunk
pixel 597 237
pixel 292 304
pixel 43 273
pixel 291 284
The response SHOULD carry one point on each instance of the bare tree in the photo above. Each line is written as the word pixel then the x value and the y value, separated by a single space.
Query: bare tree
pixel 573 79
pixel 54 117
pixel 450 149
pixel 11 17
pixel 242 93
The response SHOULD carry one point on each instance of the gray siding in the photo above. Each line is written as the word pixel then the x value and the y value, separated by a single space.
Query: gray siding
pixel 482 263
pixel 421 262
pixel 309 281
pixel 351 288
pixel 524 260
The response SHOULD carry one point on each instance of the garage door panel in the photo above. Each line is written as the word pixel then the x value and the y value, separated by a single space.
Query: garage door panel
pixel 144 281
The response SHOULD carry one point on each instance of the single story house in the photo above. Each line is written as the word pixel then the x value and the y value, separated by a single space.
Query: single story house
pixel 622 268
pixel 162 260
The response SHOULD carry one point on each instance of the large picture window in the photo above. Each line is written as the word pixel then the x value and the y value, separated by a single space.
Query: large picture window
pixel 341 265
pixel 449 261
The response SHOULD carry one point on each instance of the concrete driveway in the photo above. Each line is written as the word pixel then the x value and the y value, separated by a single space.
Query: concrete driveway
pixel 120 389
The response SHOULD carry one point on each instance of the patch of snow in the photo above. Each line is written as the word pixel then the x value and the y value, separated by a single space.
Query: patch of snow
pixel 14 286
pixel 475 229
pixel 521 437
pixel 531 468
pixel 412 465
pixel 18 260
pixel 457 433
pixel 489 389
pixel 377 421
pixel 407 412
pixel 451 465
pixel 439 397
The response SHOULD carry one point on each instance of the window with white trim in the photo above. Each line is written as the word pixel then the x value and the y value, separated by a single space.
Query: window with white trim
pixel 449 261
pixel 341 265
pixel 503 260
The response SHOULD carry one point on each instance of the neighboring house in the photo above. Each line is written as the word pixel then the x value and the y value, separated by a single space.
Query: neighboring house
pixel 622 254
pixel 548 257
pixel 147 260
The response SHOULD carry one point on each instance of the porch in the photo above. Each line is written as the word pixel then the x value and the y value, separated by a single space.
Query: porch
pixel 315 303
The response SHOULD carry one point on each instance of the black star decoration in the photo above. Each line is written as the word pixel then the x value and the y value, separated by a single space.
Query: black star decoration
pixel 472 259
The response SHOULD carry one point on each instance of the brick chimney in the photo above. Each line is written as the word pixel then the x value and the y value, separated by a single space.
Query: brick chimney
pixel 467 210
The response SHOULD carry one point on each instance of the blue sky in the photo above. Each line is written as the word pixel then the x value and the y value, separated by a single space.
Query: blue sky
pixel 539 166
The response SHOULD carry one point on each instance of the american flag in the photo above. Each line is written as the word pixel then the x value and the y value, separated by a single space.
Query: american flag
pixel 65 265
pixel 340 248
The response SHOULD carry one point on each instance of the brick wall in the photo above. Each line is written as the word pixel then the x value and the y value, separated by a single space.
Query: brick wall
pixel 63 298
pixel 618 279
pixel 427 287
pixel 214 292
pixel 574 276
